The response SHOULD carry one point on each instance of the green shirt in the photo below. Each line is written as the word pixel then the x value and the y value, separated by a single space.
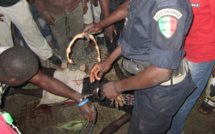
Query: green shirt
pixel 6 3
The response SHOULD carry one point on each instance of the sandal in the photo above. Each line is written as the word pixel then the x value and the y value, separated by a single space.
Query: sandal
pixel 206 107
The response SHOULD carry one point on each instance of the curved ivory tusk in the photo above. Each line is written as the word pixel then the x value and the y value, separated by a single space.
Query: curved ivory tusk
pixel 82 35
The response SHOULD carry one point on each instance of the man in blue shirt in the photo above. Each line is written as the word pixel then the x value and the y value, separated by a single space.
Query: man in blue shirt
pixel 154 32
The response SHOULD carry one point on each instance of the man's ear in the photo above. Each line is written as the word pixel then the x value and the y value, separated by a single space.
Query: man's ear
pixel 15 82
pixel 12 79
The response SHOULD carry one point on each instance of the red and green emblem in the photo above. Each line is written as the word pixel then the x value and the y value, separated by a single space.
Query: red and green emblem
pixel 167 25
pixel 167 19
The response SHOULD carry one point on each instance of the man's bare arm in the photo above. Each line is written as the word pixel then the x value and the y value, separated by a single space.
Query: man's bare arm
pixel 152 76
pixel 104 4
pixel 116 16
pixel 55 86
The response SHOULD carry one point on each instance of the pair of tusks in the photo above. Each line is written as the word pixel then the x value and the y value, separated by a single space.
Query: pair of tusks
pixel 82 35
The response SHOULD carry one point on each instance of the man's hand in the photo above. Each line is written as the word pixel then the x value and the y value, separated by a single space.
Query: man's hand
pixel 109 31
pixel 1 15
pixel 98 71
pixel 50 20
pixel 110 90
pixel 95 3
pixel 85 8
pixel 93 28
pixel 88 110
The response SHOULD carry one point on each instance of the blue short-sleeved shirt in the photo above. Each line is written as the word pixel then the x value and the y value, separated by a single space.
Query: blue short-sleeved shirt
pixel 155 31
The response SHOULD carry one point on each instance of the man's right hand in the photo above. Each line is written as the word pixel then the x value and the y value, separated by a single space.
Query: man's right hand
pixel 88 110
pixel 98 71
pixel 93 28
pixel 109 31
pixel 1 15
pixel 50 20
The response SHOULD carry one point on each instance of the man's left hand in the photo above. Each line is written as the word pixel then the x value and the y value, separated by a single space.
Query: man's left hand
pixel 88 110
pixel 85 8
pixel 93 28
pixel 109 31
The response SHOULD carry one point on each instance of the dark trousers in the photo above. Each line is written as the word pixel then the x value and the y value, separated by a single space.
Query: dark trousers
pixel 154 107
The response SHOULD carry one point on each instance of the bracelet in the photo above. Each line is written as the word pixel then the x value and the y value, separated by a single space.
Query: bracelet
pixel 82 103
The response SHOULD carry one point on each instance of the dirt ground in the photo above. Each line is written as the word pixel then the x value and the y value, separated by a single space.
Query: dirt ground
pixel 66 118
